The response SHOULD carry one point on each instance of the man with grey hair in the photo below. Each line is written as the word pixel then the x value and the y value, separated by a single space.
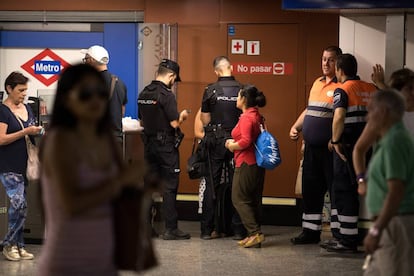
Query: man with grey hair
pixel 98 57
pixel 219 115
pixel 390 195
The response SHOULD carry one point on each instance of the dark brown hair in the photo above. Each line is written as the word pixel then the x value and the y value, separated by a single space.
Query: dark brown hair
pixel 401 78
pixel 334 49
pixel 14 79
pixel 348 64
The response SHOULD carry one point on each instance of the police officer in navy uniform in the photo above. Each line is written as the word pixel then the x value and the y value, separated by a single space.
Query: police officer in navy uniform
pixel 157 110
pixel 219 115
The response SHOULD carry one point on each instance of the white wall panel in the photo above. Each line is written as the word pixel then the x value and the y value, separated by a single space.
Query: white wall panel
pixel 364 37
pixel 409 50
pixel 347 34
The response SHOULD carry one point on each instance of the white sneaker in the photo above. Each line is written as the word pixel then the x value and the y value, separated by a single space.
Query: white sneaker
pixel 24 255
pixel 11 253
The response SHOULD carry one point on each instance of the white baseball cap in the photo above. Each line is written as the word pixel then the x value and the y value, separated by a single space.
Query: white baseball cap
pixel 98 53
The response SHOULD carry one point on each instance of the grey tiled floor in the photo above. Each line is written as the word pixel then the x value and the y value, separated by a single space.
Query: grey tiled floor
pixel 223 257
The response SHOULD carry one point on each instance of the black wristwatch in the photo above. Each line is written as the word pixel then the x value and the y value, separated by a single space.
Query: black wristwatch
pixel 335 142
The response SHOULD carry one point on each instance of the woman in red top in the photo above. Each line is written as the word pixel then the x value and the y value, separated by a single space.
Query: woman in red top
pixel 248 178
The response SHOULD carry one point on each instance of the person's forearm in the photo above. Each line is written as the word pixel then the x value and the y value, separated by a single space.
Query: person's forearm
pixel 198 126
pixel 7 139
pixel 362 146
pixel 199 134
pixel 338 124
pixel 298 125
pixel 234 146
pixel 181 118
pixel 205 118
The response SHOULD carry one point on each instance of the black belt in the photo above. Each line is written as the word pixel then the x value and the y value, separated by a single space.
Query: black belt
pixel 164 136
pixel 160 133
pixel 210 128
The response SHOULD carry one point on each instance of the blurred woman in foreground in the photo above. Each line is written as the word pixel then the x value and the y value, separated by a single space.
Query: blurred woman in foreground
pixel 81 174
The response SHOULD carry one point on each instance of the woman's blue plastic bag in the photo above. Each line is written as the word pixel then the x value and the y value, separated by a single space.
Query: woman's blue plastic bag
pixel 267 150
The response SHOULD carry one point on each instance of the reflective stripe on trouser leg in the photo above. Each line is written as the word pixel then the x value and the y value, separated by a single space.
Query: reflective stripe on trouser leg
pixel 348 225
pixel 335 225
pixel 317 164
pixel 346 199
pixel 312 221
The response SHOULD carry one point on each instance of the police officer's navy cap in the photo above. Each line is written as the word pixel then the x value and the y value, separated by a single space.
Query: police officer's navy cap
pixel 173 66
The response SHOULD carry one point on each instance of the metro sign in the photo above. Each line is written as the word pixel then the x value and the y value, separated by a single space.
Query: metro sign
pixel 46 66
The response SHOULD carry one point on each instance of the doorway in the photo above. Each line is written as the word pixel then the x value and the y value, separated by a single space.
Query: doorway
pixel 266 55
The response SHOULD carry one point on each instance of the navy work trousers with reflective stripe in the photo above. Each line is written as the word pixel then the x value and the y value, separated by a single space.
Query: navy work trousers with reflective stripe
pixel 317 177
pixel 345 190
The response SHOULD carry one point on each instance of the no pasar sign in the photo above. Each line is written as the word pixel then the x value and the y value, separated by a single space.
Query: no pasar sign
pixel 264 68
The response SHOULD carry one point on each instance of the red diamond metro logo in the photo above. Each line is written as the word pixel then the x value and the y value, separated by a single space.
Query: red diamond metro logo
pixel 52 61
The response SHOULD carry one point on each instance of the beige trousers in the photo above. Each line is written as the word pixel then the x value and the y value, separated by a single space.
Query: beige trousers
pixel 396 253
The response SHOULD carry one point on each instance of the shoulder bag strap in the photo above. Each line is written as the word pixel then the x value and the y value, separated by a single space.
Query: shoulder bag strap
pixel 262 124
pixel 114 79
pixel 26 137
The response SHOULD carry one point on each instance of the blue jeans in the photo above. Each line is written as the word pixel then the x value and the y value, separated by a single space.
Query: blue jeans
pixel 14 185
